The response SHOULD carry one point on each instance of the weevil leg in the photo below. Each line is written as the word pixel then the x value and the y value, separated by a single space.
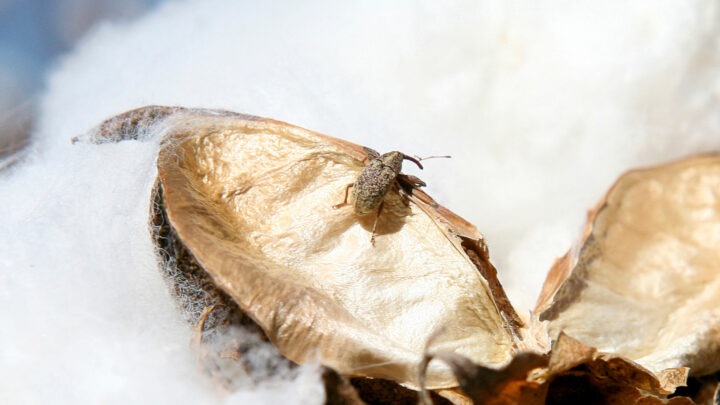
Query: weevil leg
pixel 344 203
pixel 377 217
pixel 405 185
pixel 409 181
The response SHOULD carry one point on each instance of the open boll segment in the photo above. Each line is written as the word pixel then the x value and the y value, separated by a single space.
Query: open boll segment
pixel 253 200
pixel 644 282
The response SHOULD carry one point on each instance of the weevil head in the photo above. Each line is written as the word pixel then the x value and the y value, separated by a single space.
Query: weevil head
pixel 394 160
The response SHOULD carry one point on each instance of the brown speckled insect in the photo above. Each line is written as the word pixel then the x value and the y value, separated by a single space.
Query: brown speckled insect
pixel 376 180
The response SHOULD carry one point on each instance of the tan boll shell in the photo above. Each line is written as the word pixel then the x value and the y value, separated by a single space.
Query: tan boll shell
pixel 645 282
pixel 253 198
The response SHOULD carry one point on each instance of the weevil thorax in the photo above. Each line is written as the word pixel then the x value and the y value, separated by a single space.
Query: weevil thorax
pixel 375 181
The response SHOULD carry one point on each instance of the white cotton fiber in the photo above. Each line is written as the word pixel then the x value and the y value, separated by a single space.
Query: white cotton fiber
pixel 542 105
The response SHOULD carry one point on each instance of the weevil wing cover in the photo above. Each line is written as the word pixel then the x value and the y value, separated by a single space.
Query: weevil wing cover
pixel 645 281
pixel 253 200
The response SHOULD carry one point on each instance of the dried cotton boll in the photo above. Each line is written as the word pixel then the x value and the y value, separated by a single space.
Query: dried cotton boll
pixel 247 205
pixel 253 200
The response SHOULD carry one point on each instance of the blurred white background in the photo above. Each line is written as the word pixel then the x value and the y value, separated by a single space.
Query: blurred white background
pixel 33 33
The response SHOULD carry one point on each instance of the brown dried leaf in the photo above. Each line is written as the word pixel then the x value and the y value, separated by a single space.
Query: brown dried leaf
pixel 644 283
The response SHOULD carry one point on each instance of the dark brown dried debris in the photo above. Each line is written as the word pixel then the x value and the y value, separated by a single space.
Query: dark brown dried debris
pixel 483 385
pixel 574 373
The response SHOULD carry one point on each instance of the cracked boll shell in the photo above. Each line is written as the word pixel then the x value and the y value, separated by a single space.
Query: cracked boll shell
pixel 645 281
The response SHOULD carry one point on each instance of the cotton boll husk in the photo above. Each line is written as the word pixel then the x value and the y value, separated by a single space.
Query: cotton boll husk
pixel 542 106
pixel 648 259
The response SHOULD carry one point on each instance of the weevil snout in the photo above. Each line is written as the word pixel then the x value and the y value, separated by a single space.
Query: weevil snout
pixel 414 160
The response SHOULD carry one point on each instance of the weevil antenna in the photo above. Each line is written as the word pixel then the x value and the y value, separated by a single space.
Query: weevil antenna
pixel 433 157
